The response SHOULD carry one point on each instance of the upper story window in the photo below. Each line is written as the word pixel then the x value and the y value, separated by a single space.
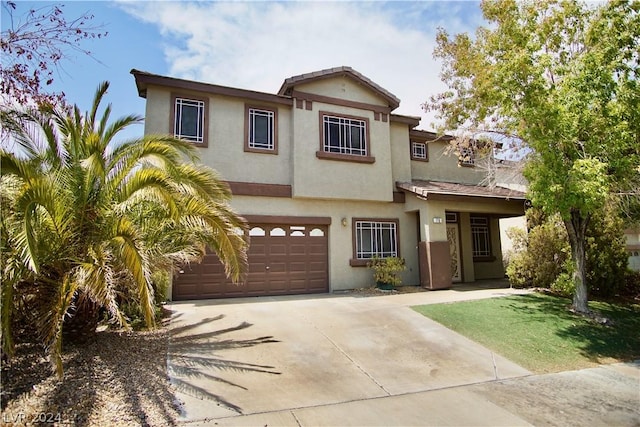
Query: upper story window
pixel 261 130
pixel 189 119
pixel 375 239
pixel 344 135
pixel 467 156
pixel 419 151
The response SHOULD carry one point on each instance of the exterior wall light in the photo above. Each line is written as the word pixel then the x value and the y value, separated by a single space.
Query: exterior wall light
pixel 437 220
pixel 344 222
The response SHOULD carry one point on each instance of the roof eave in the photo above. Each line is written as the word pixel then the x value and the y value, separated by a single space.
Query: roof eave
pixel 144 79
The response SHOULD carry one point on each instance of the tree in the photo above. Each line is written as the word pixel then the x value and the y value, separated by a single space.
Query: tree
pixel 561 76
pixel 86 220
pixel 33 48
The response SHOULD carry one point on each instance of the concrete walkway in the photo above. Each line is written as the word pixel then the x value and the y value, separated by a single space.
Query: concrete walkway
pixel 347 360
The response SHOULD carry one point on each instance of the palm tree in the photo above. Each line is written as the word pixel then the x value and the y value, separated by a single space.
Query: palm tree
pixel 86 221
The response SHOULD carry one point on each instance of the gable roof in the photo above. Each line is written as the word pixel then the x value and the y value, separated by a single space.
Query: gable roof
pixel 287 87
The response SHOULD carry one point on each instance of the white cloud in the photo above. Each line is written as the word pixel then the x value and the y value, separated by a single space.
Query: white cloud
pixel 257 45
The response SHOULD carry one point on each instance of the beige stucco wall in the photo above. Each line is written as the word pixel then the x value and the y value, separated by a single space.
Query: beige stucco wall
pixel 444 167
pixel 342 88
pixel 334 179
pixel 400 154
pixel 226 130
pixel 341 274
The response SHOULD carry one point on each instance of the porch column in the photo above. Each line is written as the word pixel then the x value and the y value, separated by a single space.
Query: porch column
pixel 433 249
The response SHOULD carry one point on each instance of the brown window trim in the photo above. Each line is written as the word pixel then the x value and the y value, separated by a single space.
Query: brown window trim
pixel 321 154
pixel 249 149
pixel 426 150
pixel 356 262
pixel 484 258
pixel 205 118
pixel 345 157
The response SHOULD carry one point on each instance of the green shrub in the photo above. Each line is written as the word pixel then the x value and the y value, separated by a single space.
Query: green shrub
pixel 539 256
pixel 563 284
pixel 543 257
pixel 385 270
pixel 607 258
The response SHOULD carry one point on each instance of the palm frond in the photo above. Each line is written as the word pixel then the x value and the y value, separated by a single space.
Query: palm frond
pixel 127 250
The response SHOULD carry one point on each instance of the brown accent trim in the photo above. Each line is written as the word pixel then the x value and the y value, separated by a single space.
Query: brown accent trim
pixel 249 149
pixel 321 154
pixel 288 220
pixel 484 258
pixel 345 157
pixel 144 79
pixel 426 150
pixel 259 189
pixel 205 117
pixel 412 121
pixel 308 105
pixel 634 247
pixel 475 199
pixel 354 261
pixel 439 260
pixel 299 104
pixel 342 102
pixel 376 116
pixel 399 197
pixel 385 118
pixel 427 136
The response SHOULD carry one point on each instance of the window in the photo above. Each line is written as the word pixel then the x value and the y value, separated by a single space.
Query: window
pixel 344 135
pixel 261 130
pixel 451 217
pixel 189 119
pixel 375 239
pixel 481 238
pixel 467 156
pixel 419 151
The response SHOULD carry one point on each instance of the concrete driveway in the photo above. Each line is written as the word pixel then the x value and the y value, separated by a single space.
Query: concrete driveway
pixel 333 360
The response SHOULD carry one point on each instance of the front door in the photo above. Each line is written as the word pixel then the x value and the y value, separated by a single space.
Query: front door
pixel 454 251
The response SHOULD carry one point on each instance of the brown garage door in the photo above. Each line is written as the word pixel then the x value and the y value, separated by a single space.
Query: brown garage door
pixel 283 259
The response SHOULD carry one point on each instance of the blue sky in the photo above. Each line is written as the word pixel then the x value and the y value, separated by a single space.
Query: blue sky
pixel 256 45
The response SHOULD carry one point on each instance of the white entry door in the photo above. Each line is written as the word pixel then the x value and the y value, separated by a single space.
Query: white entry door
pixel 454 251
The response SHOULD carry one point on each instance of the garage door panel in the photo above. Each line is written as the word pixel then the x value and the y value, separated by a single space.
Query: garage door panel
pixel 282 260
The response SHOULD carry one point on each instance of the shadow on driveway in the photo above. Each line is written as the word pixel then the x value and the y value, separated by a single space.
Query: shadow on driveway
pixel 193 356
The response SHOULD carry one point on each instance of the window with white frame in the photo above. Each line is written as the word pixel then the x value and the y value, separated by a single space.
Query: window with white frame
pixel 376 239
pixel 481 237
pixel 419 150
pixel 344 135
pixel 189 120
pixel 261 129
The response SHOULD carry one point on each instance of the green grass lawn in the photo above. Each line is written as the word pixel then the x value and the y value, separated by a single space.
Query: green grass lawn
pixel 539 333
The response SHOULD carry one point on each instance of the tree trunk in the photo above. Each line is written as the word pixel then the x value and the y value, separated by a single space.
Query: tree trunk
pixel 577 230
pixel 82 324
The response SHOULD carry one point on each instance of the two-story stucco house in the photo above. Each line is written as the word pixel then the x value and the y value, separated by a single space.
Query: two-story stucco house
pixel 328 177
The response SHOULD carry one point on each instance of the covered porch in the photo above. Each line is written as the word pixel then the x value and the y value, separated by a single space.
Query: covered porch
pixel 459 229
